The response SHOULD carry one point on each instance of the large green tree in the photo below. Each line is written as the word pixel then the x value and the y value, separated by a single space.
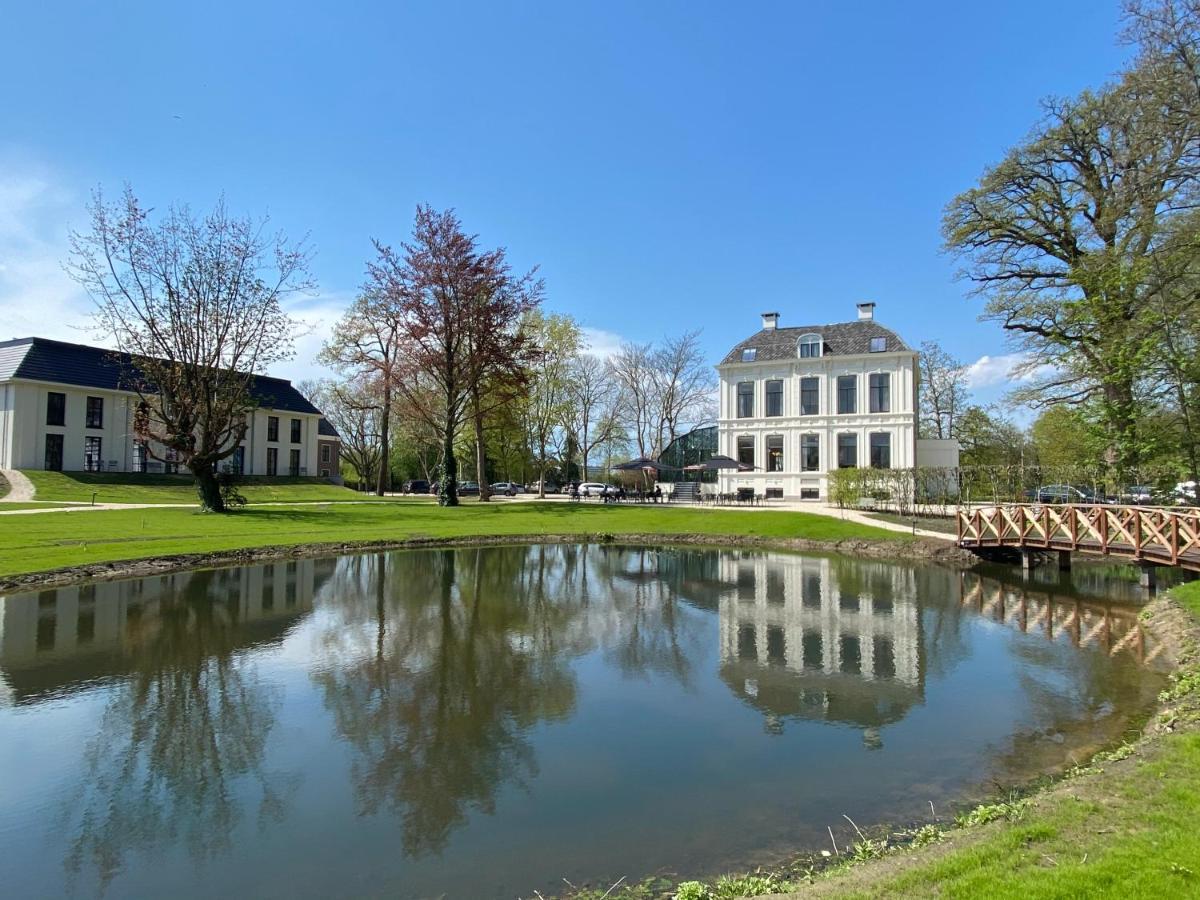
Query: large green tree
pixel 1063 235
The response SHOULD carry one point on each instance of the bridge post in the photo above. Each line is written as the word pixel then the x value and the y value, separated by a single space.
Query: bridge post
pixel 1064 560
pixel 1028 561
pixel 1147 578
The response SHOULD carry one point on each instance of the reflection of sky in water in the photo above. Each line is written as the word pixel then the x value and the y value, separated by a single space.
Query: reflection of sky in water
pixel 486 722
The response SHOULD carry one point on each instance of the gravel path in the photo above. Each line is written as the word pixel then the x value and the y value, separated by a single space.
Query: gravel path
pixel 21 489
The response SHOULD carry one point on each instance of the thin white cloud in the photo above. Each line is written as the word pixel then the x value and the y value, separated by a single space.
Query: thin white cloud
pixel 36 296
pixel 601 343
pixel 1005 369
pixel 317 317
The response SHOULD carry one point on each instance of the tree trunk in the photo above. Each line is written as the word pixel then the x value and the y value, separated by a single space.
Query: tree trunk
pixel 448 486
pixel 385 467
pixel 207 487
pixel 480 454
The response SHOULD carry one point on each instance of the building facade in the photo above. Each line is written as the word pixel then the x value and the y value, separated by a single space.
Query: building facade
pixel 63 407
pixel 797 403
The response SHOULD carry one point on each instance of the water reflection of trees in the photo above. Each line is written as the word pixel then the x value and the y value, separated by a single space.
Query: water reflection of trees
pixel 436 665
pixel 179 754
pixel 452 656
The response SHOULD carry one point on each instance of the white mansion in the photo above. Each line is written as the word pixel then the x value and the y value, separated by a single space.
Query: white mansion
pixel 796 403
pixel 65 407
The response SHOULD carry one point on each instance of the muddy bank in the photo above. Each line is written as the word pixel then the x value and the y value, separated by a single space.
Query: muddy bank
pixel 925 550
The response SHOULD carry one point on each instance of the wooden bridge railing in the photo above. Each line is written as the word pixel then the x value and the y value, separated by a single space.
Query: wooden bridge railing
pixel 1159 535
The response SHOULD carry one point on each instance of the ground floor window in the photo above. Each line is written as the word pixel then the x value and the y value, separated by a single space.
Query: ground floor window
pixel 847 445
pixel 92 459
pixel 810 453
pixel 881 450
pixel 775 453
pixel 324 473
pixel 272 460
pixel 324 453
pixel 294 463
pixel 745 450
pixel 141 456
pixel 54 453
pixel 171 463
pixel 774 493
pixel 236 464
pixel 810 493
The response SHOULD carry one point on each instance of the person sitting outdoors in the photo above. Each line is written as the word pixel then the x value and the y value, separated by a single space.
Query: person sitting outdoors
pixel 658 493
pixel 574 493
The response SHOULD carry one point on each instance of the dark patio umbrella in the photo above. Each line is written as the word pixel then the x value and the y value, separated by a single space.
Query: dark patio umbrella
pixel 717 463
pixel 642 464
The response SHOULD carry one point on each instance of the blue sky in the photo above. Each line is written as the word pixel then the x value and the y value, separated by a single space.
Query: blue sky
pixel 668 164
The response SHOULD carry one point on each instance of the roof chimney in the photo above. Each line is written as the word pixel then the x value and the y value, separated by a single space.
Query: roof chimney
pixel 866 310
pixel 770 321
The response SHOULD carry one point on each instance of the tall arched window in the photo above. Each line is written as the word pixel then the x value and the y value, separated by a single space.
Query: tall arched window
pixel 809 346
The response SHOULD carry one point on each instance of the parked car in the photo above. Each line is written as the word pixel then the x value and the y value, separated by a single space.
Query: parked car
pixel 1137 494
pixel 416 486
pixel 551 488
pixel 592 489
pixel 468 488
pixel 505 488
pixel 1184 494
pixel 1065 493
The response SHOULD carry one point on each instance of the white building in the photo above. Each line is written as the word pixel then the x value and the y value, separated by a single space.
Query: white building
pixel 63 407
pixel 796 403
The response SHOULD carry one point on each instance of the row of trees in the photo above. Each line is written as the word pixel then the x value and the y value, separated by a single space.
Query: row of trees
pixel 447 354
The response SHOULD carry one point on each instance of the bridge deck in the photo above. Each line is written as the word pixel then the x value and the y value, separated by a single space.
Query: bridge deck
pixel 1168 537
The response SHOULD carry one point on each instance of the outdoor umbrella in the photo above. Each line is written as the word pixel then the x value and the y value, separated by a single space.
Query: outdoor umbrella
pixel 717 463
pixel 642 464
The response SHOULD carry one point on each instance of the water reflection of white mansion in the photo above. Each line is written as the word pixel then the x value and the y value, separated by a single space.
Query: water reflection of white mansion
pixel 63 636
pixel 799 636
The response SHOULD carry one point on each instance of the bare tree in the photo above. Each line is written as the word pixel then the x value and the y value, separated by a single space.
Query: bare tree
pixel 593 405
pixel 944 395
pixel 194 305
pixel 633 368
pixel 355 409
pixel 365 348
pixel 686 385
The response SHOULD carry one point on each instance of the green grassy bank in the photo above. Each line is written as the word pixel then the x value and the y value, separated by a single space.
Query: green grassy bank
pixel 78 487
pixel 54 540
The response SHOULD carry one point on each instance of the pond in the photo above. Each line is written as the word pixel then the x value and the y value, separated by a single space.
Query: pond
pixel 486 722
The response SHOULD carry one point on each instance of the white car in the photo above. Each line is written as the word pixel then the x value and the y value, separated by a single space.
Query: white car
pixel 592 489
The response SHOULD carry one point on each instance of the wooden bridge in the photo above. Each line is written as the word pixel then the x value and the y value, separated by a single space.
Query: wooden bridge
pixel 1151 536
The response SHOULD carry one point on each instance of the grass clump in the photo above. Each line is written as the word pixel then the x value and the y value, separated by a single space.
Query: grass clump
pixel 1009 810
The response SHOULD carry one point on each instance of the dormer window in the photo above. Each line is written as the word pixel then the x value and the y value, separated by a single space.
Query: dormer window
pixel 878 344
pixel 749 354
pixel 809 346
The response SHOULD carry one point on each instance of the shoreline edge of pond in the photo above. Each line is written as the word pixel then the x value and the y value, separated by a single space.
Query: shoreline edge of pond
pixel 898 549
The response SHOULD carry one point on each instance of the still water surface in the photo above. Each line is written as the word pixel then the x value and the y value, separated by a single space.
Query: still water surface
pixel 486 722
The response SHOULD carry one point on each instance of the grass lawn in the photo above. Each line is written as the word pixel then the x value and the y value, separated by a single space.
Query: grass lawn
pixel 78 487
pixel 35 543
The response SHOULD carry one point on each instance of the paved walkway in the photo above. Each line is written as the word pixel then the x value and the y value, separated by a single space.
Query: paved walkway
pixel 21 489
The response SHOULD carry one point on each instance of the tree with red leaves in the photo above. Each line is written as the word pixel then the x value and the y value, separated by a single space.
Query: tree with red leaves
pixel 457 309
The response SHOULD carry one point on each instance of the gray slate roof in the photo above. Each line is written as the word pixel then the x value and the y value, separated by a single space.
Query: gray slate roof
pixel 841 339
pixel 41 359
pixel 326 429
